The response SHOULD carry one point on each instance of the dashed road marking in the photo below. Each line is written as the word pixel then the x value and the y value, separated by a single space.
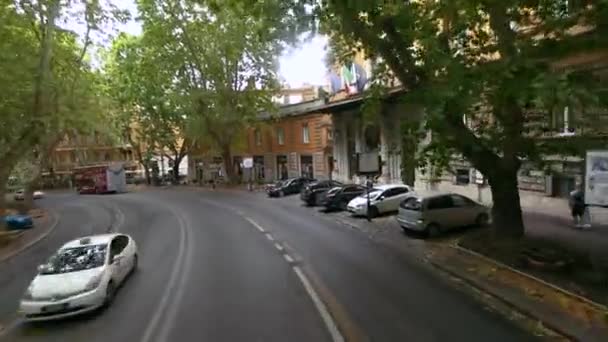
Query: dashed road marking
pixel 256 225
pixel 336 336
pixel 279 247
pixel 288 258
pixel 269 236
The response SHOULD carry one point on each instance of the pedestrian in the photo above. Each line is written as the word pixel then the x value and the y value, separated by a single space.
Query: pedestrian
pixel 579 209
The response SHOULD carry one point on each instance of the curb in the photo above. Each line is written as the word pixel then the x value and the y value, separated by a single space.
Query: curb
pixel 34 241
pixel 505 301
pixel 596 305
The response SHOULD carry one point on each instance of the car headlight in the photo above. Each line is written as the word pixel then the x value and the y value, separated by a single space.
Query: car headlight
pixel 93 283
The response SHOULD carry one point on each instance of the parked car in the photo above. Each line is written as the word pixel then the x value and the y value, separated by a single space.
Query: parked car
pixel 288 187
pixel 20 195
pixel 383 199
pixel 81 276
pixel 337 198
pixel 314 193
pixel 439 212
pixel 18 222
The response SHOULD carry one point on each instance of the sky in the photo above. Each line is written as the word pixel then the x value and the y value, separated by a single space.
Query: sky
pixel 300 65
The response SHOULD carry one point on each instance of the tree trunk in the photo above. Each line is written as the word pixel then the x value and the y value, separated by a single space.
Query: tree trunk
pixel 227 156
pixel 3 181
pixel 28 197
pixel 177 161
pixel 506 210
pixel 147 173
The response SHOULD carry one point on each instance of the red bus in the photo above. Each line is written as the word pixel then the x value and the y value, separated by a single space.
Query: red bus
pixel 100 179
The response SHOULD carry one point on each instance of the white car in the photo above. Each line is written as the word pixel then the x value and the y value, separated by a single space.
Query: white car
pixel 20 195
pixel 81 276
pixel 383 199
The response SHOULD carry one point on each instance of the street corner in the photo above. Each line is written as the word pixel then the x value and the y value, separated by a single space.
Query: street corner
pixel 542 307
pixel 15 242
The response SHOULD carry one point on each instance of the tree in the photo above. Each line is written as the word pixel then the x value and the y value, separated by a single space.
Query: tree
pixel 142 84
pixel 491 62
pixel 41 65
pixel 225 64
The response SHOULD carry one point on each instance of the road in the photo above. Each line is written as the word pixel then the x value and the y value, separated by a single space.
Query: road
pixel 236 266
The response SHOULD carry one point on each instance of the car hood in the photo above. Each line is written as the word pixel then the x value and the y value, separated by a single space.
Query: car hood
pixel 62 284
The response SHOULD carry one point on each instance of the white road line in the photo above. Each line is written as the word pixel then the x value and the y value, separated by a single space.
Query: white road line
pixel 269 237
pixel 288 258
pixel 279 247
pixel 168 322
pixel 256 225
pixel 336 336
pixel 155 322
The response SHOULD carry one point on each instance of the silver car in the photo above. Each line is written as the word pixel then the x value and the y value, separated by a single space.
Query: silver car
pixel 440 212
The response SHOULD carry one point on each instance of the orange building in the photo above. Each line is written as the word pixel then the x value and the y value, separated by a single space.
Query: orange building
pixel 297 141
pixel 79 150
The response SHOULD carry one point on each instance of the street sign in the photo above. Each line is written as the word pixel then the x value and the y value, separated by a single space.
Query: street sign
pixel 247 163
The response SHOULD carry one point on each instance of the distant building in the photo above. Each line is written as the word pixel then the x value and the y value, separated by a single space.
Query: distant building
pixel 296 95
pixel 294 142
pixel 77 150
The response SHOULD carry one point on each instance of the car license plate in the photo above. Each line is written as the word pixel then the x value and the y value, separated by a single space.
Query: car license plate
pixel 55 307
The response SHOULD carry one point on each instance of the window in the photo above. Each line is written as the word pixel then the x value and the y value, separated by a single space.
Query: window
pixel 330 134
pixel 258 137
pixel 411 203
pixel 460 201
pixel 118 245
pixel 281 136
pixel 305 134
pixel 395 192
pixel 443 202
pixel 463 176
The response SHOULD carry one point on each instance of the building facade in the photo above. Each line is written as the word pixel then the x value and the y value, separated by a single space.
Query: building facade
pixel 79 150
pixel 297 141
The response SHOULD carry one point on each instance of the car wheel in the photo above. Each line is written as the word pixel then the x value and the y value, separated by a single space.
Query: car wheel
pixel 433 230
pixel 482 220
pixel 373 212
pixel 343 205
pixel 110 294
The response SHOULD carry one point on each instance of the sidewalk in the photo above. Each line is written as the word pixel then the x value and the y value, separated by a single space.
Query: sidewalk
pixel 12 244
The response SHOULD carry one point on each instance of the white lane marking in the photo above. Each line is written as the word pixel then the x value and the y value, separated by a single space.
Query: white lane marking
pixel 336 336
pixel 169 321
pixel 279 247
pixel 155 322
pixel 288 258
pixel 269 237
pixel 256 225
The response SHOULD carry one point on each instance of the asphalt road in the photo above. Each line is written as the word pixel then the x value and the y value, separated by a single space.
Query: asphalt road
pixel 233 266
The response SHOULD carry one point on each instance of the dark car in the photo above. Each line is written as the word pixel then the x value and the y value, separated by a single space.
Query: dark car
pixel 338 198
pixel 314 193
pixel 288 187
pixel 18 222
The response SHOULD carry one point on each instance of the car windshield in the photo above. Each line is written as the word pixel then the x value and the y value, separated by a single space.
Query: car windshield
pixel 76 259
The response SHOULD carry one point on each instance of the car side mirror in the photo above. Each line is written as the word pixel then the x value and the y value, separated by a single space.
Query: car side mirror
pixel 116 258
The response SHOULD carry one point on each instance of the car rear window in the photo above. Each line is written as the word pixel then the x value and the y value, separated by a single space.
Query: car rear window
pixel 411 203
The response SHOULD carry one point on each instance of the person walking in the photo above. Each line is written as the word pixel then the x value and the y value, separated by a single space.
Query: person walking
pixel 579 209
